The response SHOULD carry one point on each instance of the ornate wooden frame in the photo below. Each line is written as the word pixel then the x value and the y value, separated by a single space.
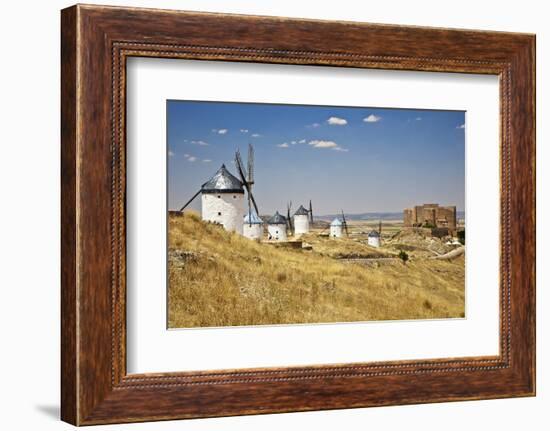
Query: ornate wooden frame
pixel 95 42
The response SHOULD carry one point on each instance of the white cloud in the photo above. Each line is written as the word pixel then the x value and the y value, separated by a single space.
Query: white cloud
pixel 462 126
pixel 314 125
pixel 327 144
pixel 220 131
pixel 323 144
pixel 255 135
pixel 283 145
pixel 302 141
pixel 207 160
pixel 293 142
pixel 171 153
pixel 336 121
pixel 192 158
pixel 186 156
pixel 202 143
pixel 372 119
pixel 243 130
pixel 418 118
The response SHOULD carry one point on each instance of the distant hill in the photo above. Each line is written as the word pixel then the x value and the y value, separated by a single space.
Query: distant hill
pixel 373 216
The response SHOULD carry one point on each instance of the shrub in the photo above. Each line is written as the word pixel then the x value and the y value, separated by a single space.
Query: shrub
pixel 403 256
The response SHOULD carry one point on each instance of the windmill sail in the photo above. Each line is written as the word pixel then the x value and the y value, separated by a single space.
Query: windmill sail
pixel 345 223
pixel 245 178
pixel 189 201
pixel 289 218
pixel 310 213
pixel 250 165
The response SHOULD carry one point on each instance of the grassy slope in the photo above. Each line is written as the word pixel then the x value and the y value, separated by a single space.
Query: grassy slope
pixel 226 279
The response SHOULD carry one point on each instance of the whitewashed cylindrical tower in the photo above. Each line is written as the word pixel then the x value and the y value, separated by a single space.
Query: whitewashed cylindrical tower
pixel 276 227
pixel 253 226
pixel 301 221
pixel 373 238
pixel 336 228
pixel 222 199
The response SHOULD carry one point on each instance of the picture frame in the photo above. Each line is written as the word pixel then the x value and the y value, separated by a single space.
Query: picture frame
pixel 96 42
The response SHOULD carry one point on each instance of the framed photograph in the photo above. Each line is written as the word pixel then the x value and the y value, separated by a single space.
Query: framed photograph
pixel 260 217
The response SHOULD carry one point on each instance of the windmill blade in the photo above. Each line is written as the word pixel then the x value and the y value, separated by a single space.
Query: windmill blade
pixel 242 174
pixel 250 164
pixel 288 218
pixel 253 201
pixel 345 223
pixel 190 200
pixel 240 166
pixel 310 212
pixel 249 212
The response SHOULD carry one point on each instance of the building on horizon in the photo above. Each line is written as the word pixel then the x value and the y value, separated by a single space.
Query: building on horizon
pixel 430 215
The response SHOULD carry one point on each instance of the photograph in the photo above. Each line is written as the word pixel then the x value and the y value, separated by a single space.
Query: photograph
pixel 299 214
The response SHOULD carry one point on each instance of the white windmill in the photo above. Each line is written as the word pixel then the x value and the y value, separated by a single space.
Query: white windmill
pixel 373 238
pixel 222 200
pixel 301 221
pixel 276 227
pixel 253 227
pixel 336 228
pixel 222 196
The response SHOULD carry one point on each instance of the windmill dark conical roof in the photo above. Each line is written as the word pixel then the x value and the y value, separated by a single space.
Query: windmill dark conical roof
pixel 374 234
pixel 301 211
pixel 223 182
pixel 277 219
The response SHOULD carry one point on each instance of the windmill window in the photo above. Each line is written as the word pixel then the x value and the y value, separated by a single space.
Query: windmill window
pixel 234 197
pixel 219 213
pixel 219 197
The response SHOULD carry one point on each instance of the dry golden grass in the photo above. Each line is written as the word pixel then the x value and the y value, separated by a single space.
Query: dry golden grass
pixel 223 279
pixel 342 248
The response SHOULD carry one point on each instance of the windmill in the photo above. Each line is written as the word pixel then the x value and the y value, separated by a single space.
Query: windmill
pixel 222 200
pixel 310 213
pixel 288 218
pixel 247 178
pixel 345 223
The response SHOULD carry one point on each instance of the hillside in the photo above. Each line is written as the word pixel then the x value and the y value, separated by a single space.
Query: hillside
pixel 218 278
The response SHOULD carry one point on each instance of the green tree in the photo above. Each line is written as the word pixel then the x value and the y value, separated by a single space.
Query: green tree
pixel 403 256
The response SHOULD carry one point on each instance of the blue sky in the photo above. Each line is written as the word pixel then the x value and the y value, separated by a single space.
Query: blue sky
pixel 355 159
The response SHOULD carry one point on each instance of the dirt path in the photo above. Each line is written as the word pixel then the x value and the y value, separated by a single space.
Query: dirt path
pixel 452 254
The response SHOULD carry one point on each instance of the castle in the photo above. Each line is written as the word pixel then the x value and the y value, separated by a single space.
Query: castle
pixel 430 215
